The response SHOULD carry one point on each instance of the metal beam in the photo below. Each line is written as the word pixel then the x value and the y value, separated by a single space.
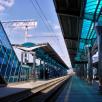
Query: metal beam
pixel 71 38
pixel 69 11
pixel 76 39
pixel 87 41
pixel 79 62
pixel 72 48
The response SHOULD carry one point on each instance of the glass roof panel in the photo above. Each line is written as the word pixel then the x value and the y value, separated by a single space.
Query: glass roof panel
pixel 81 45
pixel 99 7
pixel 93 33
pixel 92 9
pixel 90 31
pixel 100 18
pixel 28 44
pixel 90 6
pixel 86 23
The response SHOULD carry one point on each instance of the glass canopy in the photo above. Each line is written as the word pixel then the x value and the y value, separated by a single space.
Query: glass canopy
pixel 88 34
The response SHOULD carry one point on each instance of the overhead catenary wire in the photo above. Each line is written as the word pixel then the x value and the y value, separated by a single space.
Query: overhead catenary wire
pixel 45 19
pixel 44 16
pixel 44 36
pixel 33 4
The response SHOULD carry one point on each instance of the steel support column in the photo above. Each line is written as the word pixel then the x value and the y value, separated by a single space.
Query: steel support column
pixel 90 69
pixel 99 39
pixel 21 58
pixel 44 70
pixel 34 66
pixel 80 71
pixel 41 69
pixel 85 71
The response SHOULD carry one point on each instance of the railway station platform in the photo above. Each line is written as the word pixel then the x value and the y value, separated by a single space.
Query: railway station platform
pixel 78 90
pixel 35 70
pixel 20 91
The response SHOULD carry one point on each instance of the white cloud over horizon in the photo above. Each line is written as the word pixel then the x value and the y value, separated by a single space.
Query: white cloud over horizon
pixel 5 4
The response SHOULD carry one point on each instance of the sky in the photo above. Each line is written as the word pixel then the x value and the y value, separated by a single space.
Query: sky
pixel 47 29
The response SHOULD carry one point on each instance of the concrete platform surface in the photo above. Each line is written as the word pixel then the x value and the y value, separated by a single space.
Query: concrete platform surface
pixel 80 91
pixel 20 87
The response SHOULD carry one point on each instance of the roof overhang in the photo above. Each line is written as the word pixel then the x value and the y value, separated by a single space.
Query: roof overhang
pixel 46 47
pixel 69 14
pixel 77 19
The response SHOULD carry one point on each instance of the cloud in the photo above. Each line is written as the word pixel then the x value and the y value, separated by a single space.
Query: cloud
pixel 57 27
pixel 5 3
pixel 53 25
pixel 2 8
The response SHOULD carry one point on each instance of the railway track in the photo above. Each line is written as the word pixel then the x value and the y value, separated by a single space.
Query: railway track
pixel 39 93
pixel 48 92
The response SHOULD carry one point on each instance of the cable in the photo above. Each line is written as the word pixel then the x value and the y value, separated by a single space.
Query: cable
pixel 39 14
pixel 44 15
pixel 46 21
pixel 44 36
pixel 48 24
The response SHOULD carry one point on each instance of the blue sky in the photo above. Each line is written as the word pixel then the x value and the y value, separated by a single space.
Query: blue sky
pixel 25 10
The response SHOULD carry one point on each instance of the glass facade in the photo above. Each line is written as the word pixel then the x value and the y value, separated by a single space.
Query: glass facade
pixel 10 67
